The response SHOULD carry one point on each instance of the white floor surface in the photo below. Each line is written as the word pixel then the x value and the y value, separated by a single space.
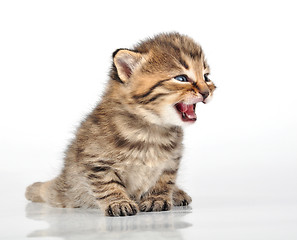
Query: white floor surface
pixel 207 218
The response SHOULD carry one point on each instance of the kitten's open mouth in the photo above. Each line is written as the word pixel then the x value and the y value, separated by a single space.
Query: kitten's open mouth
pixel 186 111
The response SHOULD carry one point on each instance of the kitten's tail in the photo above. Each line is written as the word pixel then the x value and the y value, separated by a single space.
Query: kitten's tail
pixel 34 192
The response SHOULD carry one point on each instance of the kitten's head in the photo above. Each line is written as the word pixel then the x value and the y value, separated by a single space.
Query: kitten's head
pixel 162 79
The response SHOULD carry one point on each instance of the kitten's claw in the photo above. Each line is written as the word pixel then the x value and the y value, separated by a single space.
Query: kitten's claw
pixel 181 198
pixel 123 208
pixel 155 204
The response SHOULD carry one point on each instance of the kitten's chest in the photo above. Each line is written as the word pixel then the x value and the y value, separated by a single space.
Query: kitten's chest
pixel 142 173
pixel 140 177
pixel 146 155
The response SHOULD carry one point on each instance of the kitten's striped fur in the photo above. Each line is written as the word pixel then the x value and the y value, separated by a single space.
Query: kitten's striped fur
pixel 126 153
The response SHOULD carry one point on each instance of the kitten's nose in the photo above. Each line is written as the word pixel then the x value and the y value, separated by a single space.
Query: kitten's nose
pixel 204 94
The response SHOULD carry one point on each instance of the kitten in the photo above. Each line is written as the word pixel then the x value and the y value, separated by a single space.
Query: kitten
pixel 126 153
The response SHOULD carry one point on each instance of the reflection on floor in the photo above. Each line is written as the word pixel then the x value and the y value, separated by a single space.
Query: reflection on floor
pixel 92 224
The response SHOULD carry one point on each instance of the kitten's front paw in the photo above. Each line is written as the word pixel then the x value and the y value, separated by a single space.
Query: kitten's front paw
pixel 181 198
pixel 155 204
pixel 121 208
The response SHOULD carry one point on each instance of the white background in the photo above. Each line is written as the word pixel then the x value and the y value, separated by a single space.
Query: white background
pixel 54 61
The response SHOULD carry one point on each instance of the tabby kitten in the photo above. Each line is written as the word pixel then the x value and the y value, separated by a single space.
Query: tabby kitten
pixel 126 153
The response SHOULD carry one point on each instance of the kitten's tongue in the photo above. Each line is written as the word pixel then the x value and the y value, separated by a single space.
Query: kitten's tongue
pixel 187 110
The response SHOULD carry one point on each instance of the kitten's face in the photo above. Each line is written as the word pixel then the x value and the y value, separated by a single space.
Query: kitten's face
pixel 164 79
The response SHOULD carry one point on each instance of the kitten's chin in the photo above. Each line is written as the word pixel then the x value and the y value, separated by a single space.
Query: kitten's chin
pixel 171 116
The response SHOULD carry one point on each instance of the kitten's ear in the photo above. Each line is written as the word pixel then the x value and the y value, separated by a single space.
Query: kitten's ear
pixel 126 62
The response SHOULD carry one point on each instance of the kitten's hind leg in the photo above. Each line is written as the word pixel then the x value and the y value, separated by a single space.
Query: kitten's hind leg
pixel 180 197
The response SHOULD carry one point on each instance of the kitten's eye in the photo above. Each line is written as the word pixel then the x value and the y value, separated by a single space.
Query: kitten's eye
pixel 181 78
pixel 206 79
